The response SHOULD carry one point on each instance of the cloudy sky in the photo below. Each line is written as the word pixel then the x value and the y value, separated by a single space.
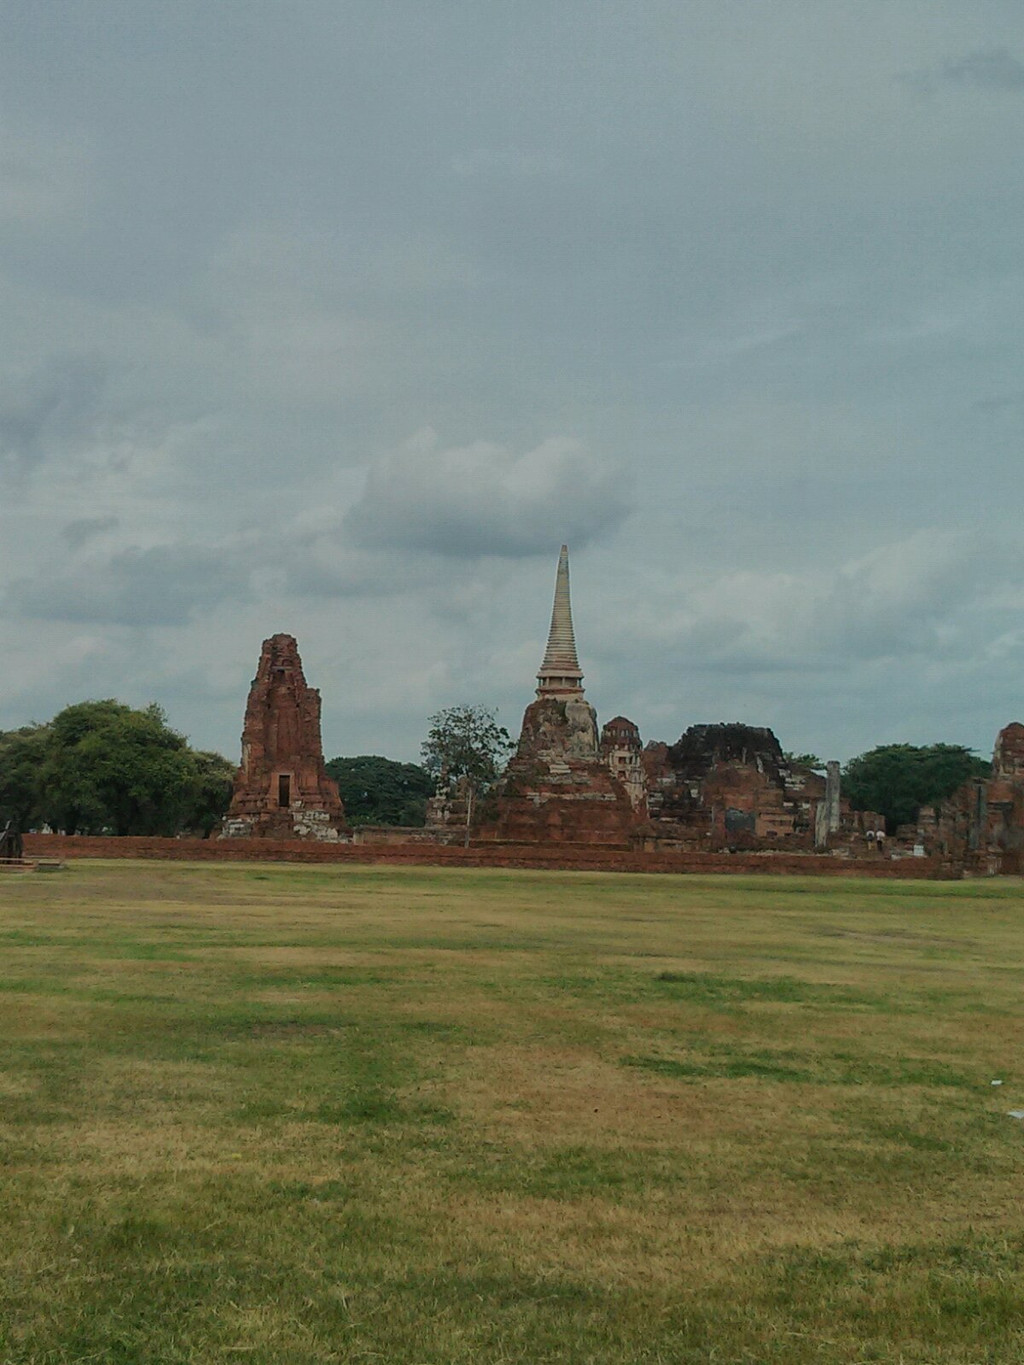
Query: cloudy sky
pixel 337 317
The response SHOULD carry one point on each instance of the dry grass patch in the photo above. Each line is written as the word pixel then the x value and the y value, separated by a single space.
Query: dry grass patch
pixel 433 1116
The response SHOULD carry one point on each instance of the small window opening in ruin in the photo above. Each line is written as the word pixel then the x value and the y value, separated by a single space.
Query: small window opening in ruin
pixel 284 790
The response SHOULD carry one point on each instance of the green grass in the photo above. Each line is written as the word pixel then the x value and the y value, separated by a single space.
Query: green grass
pixel 432 1117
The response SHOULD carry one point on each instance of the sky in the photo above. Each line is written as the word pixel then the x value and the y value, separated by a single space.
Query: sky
pixel 337 317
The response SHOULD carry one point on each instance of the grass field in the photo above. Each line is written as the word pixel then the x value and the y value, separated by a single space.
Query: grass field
pixel 271 1114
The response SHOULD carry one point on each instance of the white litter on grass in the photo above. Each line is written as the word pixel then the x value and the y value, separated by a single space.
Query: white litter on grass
pixel 995 1082
pixel 1016 1113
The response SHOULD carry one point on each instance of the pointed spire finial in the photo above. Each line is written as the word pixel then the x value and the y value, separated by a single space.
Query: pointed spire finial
pixel 560 671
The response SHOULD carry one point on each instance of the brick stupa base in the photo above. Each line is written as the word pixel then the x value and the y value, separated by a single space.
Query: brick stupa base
pixel 557 789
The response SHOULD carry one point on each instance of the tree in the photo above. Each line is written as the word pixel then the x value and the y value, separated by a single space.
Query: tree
pixel 896 780
pixel 465 744
pixel 213 782
pixel 380 791
pixel 100 766
pixel 109 767
pixel 22 754
pixel 803 760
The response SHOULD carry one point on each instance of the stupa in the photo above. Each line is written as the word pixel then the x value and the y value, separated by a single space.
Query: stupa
pixel 558 787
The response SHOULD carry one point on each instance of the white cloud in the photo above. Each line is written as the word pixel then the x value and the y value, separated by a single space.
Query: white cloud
pixel 926 596
pixel 483 499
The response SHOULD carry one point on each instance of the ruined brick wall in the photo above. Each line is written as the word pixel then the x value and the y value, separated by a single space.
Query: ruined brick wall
pixel 980 829
pixel 727 786
pixel 563 857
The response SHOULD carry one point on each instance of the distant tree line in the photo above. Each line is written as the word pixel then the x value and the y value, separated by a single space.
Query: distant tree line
pixel 101 767
pixel 896 780
pixel 380 791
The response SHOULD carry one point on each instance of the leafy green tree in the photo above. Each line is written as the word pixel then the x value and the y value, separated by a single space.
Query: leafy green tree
pixel 109 767
pixel 213 781
pixel 803 760
pixel 898 779
pixel 466 745
pixel 381 791
pixel 22 755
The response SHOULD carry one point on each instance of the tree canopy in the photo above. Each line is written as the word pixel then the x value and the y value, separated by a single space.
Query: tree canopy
pixel 465 744
pixel 215 776
pixel 804 760
pixel 22 754
pixel 896 780
pixel 101 766
pixel 381 791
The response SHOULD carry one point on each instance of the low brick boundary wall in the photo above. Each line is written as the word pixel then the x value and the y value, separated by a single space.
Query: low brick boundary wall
pixel 561 857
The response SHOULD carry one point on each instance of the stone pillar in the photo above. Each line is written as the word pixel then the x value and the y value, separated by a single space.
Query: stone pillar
pixel 977 836
pixel 832 795
pixel 820 826
pixel 826 811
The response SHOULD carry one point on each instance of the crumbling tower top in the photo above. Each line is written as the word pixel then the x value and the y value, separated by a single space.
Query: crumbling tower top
pixel 560 672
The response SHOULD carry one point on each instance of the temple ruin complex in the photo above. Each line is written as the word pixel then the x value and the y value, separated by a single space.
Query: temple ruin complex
pixel 718 787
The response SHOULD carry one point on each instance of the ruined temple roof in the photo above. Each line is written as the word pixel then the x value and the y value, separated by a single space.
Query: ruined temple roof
pixel 560 670
pixel 703 747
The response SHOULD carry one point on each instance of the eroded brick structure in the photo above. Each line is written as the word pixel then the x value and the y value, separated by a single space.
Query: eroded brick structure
pixel 622 750
pixel 980 829
pixel 559 787
pixel 282 790
pixel 732 787
pixel 724 786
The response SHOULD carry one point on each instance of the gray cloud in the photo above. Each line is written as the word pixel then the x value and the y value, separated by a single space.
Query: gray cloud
pixel 991 68
pixel 160 586
pixel 507 161
pixel 44 409
pixel 780 292
pixel 483 499
pixel 80 532
pixel 931 597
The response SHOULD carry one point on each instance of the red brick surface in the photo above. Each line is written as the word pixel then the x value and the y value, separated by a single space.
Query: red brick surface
pixel 281 740
pixel 564 857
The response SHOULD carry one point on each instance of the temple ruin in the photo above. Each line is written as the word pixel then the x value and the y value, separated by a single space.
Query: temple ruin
pixel 730 786
pixel 719 787
pixel 559 786
pixel 980 829
pixel 282 790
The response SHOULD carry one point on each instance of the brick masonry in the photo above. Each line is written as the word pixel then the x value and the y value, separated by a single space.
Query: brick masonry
pixel 562 857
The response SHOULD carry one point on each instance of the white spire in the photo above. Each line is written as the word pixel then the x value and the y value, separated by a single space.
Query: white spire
pixel 560 671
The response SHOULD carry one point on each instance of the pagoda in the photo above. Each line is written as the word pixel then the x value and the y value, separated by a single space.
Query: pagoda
pixel 558 786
